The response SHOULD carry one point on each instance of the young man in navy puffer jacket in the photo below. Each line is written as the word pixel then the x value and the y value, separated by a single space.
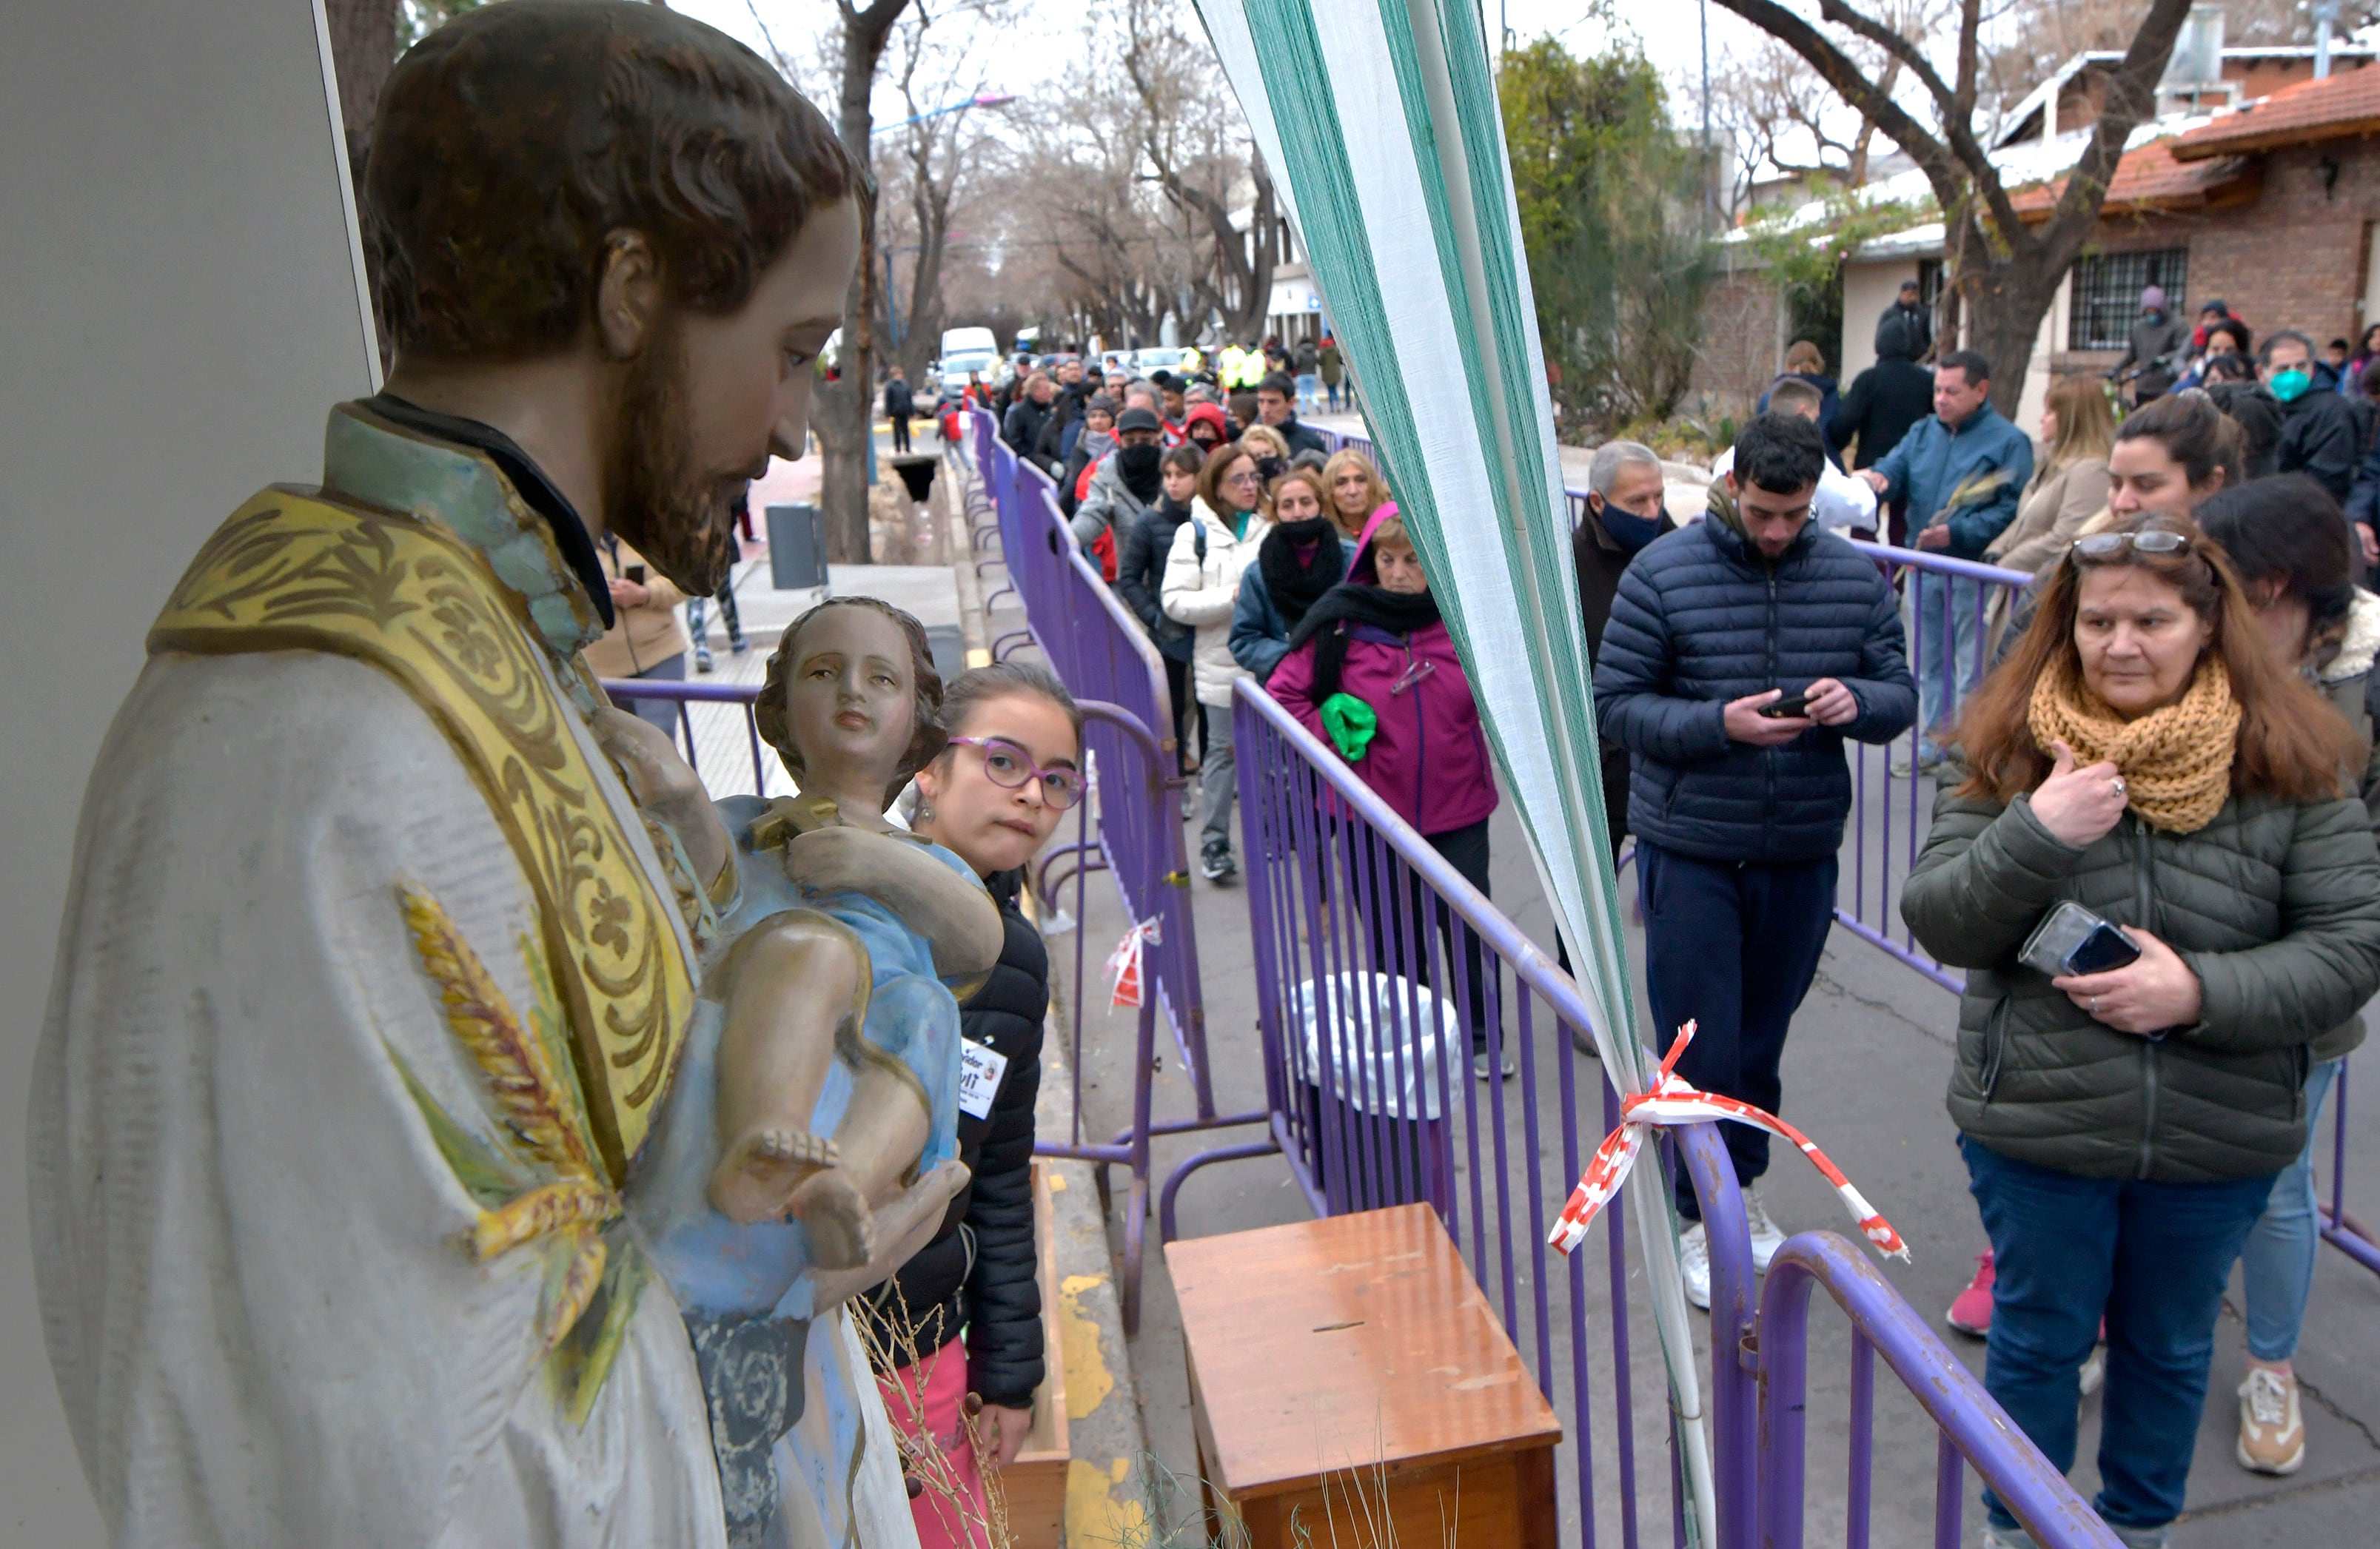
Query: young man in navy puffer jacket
pixel 1738 814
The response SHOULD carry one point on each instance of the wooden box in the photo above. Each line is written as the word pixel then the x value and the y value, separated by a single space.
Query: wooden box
pixel 1354 1356
pixel 1035 1483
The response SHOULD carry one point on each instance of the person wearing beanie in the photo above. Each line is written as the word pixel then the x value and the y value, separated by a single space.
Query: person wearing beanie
pixel 1124 484
pixel 2158 350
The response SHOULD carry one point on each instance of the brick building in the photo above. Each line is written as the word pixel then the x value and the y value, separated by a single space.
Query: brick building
pixel 2271 206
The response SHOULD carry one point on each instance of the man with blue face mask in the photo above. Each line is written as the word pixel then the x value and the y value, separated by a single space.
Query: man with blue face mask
pixel 1626 511
pixel 2317 426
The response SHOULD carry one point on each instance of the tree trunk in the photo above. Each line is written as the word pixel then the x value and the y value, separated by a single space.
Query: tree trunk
pixel 843 411
pixel 2001 301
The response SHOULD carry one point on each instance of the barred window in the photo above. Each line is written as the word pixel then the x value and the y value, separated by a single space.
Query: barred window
pixel 2106 291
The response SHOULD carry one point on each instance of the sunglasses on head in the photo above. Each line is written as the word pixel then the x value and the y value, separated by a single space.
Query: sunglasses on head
pixel 2148 540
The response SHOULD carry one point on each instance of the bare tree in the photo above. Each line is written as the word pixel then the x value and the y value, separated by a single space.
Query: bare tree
pixel 1197 156
pixel 2005 272
pixel 940 152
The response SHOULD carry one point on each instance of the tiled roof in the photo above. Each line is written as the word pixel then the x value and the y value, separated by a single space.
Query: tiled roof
pixel 2150 178
pixel 2338 107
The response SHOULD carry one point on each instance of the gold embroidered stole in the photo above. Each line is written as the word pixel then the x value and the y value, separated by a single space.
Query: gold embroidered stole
pixel 290 571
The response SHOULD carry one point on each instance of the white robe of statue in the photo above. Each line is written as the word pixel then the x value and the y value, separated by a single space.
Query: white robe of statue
pixel 265 1333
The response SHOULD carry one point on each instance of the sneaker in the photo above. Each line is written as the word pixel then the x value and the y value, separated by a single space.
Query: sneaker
pixel 1693 1258
pixel 2272 1431
pixel 736 643
pixel 1925 763
pixel 1970 1310
pixel 2008 1538
pixel 1766 1238
pixel 1215 863
pixel 1479 1065
pixel 2144 1538
pixel 702 655
pixel 2094 1376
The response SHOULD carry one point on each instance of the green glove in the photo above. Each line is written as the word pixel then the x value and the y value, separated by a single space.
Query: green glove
pixel 1351 724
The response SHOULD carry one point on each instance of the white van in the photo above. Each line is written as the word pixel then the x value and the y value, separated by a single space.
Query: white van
pixel 965 350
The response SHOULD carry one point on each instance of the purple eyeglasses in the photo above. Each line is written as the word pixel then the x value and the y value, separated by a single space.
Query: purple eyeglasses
pixel 1009 767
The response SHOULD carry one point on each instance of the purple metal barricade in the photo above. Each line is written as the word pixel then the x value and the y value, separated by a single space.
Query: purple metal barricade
pixel 1382 977
pixel 724 731
pixel 1131 827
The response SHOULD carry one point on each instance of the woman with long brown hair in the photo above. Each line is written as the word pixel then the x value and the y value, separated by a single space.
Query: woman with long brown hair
pixel 2069 476
pixel 2145 756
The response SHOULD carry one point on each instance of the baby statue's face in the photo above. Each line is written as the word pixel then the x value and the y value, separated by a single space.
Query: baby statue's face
pixel 851 697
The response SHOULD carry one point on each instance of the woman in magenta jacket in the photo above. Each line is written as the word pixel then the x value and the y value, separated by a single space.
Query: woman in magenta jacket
pixel 1372 671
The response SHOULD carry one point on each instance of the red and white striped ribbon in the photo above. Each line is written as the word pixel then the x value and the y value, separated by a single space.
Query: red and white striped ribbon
pixel 1125 976
pixel 1671 1102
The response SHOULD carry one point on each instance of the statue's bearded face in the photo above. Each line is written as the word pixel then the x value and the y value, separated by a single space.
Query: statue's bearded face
pixel 708 398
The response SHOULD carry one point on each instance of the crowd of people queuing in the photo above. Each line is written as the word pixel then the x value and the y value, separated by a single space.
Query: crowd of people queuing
pixel 2171 729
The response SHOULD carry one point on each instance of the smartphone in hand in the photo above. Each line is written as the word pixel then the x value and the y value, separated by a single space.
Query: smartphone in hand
pixel 1791 704
pixel 634 573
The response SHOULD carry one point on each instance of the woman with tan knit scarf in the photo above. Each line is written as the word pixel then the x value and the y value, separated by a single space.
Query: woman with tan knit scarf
pixel 2146 754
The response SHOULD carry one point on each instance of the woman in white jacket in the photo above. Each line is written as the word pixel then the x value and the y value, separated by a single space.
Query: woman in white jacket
pixel 1202 581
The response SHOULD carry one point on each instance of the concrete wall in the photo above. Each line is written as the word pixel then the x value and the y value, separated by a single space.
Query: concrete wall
pixel 1868 289
pixel 183 302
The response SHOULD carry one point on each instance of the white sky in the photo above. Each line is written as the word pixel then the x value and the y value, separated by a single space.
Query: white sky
pixel 1034 47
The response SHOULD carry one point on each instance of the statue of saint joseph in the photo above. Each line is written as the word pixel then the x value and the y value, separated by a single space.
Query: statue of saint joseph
pixel 385 928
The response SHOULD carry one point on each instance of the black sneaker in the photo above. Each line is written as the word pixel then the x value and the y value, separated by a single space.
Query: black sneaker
pixel 1215 863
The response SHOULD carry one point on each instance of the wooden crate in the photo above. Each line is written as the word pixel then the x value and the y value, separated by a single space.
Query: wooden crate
pixel 1355 1356
pixel 1036 1482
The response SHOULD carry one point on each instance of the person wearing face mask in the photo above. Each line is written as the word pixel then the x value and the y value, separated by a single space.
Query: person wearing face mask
pixel 1205 426
pixel 1626 511
pixel 1299 560
pixel 1140 580
pixel 971 1297
pixel 2318 432
pixel 1371 668
pixel 1123 486
pixel 1739 811
pixel 2145 756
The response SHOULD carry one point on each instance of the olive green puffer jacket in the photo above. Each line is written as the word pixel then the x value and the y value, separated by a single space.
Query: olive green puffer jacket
pixel 2275 906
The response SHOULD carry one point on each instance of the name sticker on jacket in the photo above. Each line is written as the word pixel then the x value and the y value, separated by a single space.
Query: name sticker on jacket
pixel 980 1068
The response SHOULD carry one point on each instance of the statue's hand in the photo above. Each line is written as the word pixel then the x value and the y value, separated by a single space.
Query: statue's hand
pixel 956 916
pixel 903 1229
pixel 659 783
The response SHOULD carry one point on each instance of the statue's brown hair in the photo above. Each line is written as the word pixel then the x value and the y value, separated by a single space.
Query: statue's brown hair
pixel 514 140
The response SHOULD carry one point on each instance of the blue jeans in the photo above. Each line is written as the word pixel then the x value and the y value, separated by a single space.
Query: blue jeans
pixel 2277 1267
pixel 1945 669
pixel 2153 1259
pixel 1310 388
pixel 1732 947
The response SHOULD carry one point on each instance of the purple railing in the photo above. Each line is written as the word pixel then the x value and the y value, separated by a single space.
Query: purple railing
pixel 1354 913
pixel 1131 827
pixel 723 727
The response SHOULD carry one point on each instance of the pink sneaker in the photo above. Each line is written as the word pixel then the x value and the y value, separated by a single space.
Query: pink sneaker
pixel 1971 1310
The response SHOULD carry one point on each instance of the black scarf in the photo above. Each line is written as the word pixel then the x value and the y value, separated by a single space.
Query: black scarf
pixel 1295 586
pixel 1140 469
pixel 1354 603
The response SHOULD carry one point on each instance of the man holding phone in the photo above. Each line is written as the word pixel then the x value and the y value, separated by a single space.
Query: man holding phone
pixel 1742 651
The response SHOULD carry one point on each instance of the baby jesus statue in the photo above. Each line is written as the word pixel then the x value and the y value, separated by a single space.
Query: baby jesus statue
pixel 839 1036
